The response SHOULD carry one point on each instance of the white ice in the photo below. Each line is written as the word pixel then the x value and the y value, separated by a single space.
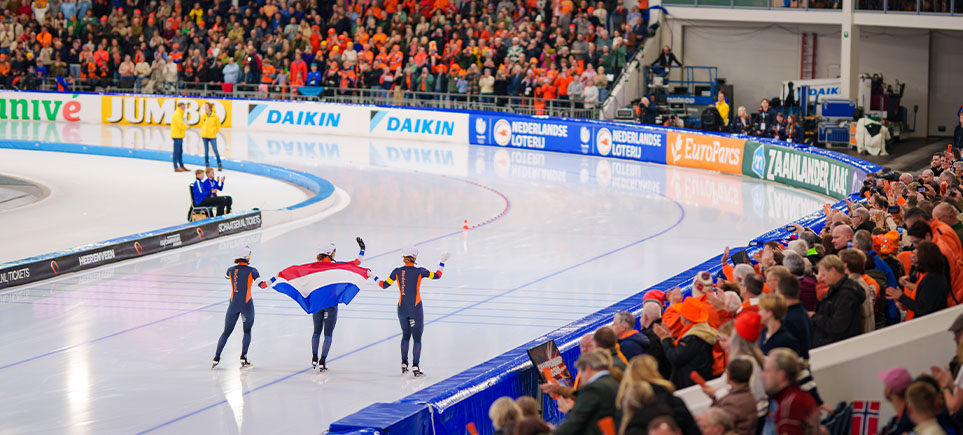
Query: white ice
pixel 127 348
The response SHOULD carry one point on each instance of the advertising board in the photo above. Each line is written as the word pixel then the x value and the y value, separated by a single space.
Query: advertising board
pixel 299 117
pixel 151 110
pixel 49 107
pixel 49 267
pixel 512 131
pixel 435 126
pixel 798 169
pixel 694 150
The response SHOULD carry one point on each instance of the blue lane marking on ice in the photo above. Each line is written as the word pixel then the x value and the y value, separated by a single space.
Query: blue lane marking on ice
pixel 392 337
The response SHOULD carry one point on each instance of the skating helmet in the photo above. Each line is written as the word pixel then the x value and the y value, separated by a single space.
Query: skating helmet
pixel 327 248
pixel 244 253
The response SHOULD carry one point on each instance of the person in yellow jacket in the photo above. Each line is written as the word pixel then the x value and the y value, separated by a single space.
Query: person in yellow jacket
pixel 210 125
pixel 178 129
pixel 723 107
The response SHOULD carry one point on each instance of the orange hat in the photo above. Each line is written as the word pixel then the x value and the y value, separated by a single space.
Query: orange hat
pixel 886 244
pixel 693 311
pixel 749 325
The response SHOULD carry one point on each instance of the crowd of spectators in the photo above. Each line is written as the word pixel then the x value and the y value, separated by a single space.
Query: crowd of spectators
pixel 550 49
pixel 892 258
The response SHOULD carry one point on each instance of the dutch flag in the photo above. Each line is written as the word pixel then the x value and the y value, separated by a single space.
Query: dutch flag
pixel 316 286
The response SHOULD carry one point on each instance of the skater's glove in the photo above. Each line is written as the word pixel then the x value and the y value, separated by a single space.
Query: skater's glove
pixel 360 243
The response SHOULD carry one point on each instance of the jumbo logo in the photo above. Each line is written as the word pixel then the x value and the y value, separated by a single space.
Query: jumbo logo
pixel 705 152
pixel 502 132
pixel 759 161
pixel 157 110
pixel 408 124
pixel 603 141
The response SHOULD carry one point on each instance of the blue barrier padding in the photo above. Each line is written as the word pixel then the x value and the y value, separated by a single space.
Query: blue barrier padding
pixel 321 188
pixel 401 418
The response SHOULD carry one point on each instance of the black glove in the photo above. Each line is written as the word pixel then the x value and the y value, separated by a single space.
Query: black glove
pixel 360 243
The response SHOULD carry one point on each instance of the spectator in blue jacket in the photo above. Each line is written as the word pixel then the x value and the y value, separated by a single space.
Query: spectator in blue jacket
pixel 632 343
pixel 214 183
pixel 314 77
pixel 205 193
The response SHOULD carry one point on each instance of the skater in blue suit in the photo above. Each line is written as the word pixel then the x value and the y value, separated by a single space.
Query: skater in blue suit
pixel 242 277
pixel 411 315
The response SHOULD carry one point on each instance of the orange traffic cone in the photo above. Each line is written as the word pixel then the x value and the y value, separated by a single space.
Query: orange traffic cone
pixel 465 225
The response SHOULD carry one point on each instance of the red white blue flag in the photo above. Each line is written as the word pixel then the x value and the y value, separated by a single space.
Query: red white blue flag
pixel 316 286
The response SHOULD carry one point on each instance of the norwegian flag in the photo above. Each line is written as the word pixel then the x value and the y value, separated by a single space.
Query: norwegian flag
pixel 865 418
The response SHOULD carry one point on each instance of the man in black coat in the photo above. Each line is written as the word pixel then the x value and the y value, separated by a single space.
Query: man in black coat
pixel 693 351
pixel 595 398
pixel 762 125
pixel 631 342
pixel 646 112
pixel 839 315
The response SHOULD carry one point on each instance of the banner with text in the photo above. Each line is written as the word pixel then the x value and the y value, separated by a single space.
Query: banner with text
pixel 430 125
pixel 150 110
pixel 38 269
pixel 799 169
pixel 303 117
pixel 543 134
pixel 49 107
pixel 695 150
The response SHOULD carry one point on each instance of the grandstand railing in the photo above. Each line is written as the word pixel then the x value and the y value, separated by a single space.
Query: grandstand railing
pixel 432 100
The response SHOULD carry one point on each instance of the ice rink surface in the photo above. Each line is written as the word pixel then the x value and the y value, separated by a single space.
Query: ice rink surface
pixel 127 348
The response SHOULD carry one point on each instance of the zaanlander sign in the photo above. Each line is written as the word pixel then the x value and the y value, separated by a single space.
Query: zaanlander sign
pixel 110 252
pixel 798 169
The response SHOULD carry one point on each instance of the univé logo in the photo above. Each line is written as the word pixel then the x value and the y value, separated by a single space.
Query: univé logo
pixel 502 132
pixel 603 141
pixel 480 126
pixel 759 161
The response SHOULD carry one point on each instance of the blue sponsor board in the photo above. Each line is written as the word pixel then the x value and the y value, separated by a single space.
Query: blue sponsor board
pixel 629 142
pixel 530 133
pixel 625 141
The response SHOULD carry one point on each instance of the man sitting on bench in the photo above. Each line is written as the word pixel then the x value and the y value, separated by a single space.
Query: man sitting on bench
pixel 205 192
